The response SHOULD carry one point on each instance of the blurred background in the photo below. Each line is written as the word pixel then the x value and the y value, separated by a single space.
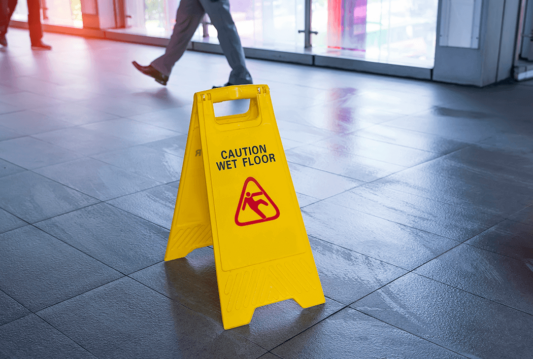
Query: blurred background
pixel 389 31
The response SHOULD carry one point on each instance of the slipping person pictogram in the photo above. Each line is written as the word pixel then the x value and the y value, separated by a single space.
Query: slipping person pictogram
pixel 253 196
pixel 253 204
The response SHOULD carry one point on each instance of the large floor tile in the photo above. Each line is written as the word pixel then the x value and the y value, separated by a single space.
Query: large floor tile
pixel 134 131
pixel 341 163
pixel 454 319
pixel 173 145
pixel 354 145
pixel 458 222
pixel 290 144
pixel 305 200
pixel 11 309
pixel 121 106
pixel 32 153
pixel 8 168
pixel 334 117
pixel 191 281
pixel 274 324
pixel 116 238
pixel 518 143
pixel 347 276
pixel 394 243
pixel 6 89
pixel 268 356
pixel 157 165
pixel 310 181
pixel 400 102
pixel 174 119
pixel 155 204
pixel 33 198
pixel 74 113
pixel 74 91
pixel 29 100
pixel 524 215
pixel 125 319
pixel 508 160
pixel 9 222
pixel 97 179
pixel 450 182
pixel 499 278
pixel 84 141
pixel 31 123
pixel 7 108
pixel 502 170
pixel 509 238
pixel 39 270
pixel 350 334
pixel 456 128
pixel 301 133
pixel 8 134
pixel 413 139
pixel 32 337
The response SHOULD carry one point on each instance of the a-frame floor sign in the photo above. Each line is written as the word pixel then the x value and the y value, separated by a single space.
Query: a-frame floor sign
pixel 236 194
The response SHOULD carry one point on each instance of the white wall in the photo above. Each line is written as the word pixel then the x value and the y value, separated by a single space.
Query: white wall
pixel 492 61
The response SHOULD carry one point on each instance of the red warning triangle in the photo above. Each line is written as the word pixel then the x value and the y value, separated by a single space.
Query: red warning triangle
pixel 255 205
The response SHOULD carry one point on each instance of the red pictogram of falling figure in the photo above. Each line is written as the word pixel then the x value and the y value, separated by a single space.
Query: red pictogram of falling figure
pixel 255 205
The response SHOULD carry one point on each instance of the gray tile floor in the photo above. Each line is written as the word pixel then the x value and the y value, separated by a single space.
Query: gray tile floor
pixel 417 198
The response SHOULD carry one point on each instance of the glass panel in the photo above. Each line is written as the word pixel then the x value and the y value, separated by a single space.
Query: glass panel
pixel 55 12
pixel 268 24
pixel 261 23
pixel 151 17
pixel 391 31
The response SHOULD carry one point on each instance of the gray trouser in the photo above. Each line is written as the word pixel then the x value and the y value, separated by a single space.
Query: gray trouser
pixel 188 17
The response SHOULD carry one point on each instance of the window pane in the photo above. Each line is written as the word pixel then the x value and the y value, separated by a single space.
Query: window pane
pixel 391 31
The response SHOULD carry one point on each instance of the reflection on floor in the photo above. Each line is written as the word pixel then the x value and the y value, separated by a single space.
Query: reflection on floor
pixel 416 197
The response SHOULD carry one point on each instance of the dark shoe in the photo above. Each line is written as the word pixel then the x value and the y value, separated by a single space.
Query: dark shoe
pixel 41 46
pixel 225 85
pixel 152 72
pixel 3 40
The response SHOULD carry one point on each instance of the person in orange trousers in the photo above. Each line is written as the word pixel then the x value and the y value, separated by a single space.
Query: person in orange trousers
pixel 7 7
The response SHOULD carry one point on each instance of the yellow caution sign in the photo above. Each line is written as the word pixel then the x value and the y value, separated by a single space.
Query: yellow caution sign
pixel 236 194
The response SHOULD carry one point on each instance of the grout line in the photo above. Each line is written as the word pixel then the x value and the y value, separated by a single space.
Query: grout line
pixel 173 300
pixel 53 327
pixel 460 289
pixel 413 334
pixel 78 295
pixel 311 326
pixel 389 175
pixel 349 305
pixel 354 251
pixel 476 295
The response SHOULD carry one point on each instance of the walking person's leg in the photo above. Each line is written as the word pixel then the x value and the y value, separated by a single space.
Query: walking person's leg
pixel 12 5
pixel 6 10
pixel 188 17
pixel 229 40
pixel 34 22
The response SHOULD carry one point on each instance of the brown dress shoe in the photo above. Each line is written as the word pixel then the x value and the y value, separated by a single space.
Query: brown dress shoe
pixel 152 72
